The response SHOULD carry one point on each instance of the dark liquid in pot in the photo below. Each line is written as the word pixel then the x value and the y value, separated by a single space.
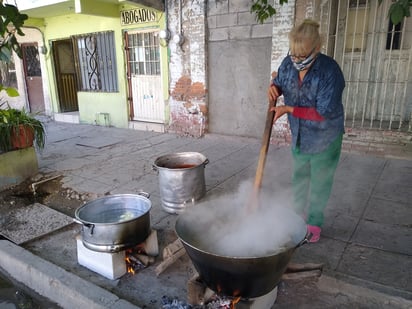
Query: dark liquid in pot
pixel 182 166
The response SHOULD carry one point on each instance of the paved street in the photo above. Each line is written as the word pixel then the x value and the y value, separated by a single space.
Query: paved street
pixel 366 243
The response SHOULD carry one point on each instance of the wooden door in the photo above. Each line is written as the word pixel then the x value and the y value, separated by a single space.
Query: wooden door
pixel 65 75
pixel 33 77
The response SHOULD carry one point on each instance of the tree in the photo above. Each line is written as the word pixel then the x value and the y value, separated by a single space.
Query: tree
pixel 397 11
pixel 11 22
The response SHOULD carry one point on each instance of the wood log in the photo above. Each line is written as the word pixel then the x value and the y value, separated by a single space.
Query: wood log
pixel 169 261
pixel 295 267
pixel 195 292
pixel 301 275
pixel 171 248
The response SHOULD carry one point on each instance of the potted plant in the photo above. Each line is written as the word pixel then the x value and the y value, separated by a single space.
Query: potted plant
pixel 20 129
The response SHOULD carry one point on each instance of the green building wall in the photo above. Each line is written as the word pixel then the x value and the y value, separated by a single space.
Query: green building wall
pixel 95 106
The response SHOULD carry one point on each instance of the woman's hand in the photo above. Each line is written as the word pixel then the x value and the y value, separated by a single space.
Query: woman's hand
pixel 280 111
pixel 273 94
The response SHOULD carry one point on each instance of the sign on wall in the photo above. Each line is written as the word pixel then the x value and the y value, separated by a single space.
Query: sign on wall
pixel 137 16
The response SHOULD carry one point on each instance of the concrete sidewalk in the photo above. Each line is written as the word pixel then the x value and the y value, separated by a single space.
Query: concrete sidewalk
pixel 366 240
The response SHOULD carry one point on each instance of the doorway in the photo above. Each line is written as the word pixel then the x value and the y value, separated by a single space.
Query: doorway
pixel 33 77
pixel 144 76
pixel 65 71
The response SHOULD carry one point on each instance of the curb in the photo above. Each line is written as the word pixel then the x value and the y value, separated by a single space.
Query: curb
pixel 61 287
pixel 333 282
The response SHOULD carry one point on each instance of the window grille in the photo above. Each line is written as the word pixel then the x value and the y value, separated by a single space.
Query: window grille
pixel 144 53
pixel 393 39
pixel 96 60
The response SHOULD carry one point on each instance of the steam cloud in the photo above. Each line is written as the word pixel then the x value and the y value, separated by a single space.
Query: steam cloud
pixel 226 226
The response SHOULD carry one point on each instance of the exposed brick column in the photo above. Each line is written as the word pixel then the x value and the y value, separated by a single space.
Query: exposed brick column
pixel 188 66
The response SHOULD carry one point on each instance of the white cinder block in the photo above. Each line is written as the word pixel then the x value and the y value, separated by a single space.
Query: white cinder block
pixel 109 265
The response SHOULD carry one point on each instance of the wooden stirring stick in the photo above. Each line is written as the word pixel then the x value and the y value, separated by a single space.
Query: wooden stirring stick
pixel 254 201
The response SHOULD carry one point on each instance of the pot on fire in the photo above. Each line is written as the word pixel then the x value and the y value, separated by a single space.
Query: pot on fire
pixel 181 179
pixel 224 249
pixel 115 222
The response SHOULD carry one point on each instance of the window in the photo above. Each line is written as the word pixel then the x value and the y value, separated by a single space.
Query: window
pixel 357 23
pixel 97 61
pixel 8 74
pixel 144 53
pixel 393 39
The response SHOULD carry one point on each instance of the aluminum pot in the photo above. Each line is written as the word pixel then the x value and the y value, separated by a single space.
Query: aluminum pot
pixel 181 179
pixel 250 275
pixel 114 222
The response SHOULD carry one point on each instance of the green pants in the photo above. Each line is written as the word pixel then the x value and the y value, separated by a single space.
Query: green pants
pixel 312 180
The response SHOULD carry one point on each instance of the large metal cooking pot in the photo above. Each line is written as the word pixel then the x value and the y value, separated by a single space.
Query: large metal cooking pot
pixel 249 274
pixel 181 179
pixel 115 222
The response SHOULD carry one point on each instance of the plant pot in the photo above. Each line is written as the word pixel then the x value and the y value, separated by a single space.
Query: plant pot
pixel 23 137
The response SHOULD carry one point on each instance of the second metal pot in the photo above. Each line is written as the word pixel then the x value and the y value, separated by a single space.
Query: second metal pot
pixel 181 179
pixel 115 222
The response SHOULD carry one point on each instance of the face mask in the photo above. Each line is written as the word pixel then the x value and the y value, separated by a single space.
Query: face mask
pixel 304 64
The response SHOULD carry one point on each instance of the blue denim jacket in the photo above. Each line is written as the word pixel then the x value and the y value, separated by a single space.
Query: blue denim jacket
pixel 321 88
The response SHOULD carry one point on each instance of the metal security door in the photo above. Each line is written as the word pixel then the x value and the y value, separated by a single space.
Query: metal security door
pixel 375 57
pixel 144 76
pixel 65 75
pixel 33 77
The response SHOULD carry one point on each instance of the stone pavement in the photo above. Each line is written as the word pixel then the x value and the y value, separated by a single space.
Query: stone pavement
pixel 366 243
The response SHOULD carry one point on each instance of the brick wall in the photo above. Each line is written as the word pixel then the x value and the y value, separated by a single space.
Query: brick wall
pixel 188 69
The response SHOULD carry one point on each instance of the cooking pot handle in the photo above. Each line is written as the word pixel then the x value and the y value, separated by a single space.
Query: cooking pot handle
pixel 206 162
pixel 87 225
pixel 145 194
pixel 304 241
pixel 154 167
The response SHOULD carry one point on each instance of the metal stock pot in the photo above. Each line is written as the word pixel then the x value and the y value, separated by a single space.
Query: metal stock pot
pixel 181 179
pixel 115 222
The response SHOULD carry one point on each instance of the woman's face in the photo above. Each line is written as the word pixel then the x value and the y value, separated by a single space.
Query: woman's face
pixel 304 56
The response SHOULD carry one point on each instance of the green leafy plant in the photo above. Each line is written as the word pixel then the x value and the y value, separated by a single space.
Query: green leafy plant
pixel 397 11
pixel 12 122
pixel 11 22
pixel 263 10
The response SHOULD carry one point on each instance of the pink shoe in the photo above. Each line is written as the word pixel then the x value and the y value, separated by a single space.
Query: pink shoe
pixel 314 233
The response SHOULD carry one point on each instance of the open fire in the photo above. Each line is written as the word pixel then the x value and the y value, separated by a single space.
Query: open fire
pixel 200 296
pixel 137 259
pixel 114 265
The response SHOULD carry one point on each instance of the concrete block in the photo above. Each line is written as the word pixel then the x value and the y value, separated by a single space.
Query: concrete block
pixel 226 20
pixel 239 32
pixel 109 265
pixel 262 31
pixel 221 34
pixel 17 165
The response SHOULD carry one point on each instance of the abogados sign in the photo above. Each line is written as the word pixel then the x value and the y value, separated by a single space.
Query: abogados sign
pixel 137 16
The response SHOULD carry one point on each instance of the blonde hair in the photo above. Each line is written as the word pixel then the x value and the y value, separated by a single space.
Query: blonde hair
pixel 304 35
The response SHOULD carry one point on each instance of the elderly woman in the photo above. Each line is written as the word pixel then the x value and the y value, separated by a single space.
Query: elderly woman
pixel 311 84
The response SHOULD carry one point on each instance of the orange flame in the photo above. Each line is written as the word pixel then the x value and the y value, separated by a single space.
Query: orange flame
pixel 234 302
